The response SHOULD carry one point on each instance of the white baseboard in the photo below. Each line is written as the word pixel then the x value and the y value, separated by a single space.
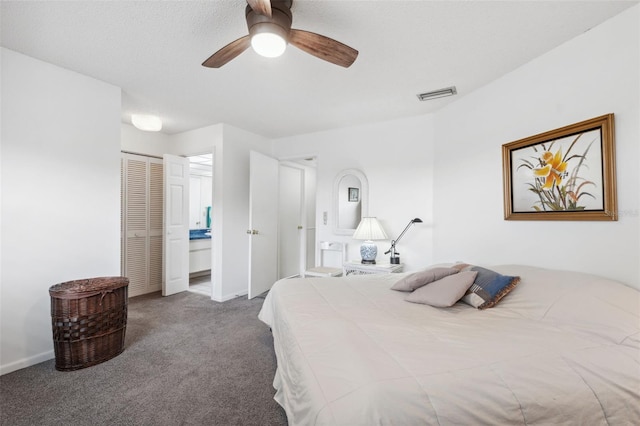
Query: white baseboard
pixel 26 362
pixel 230 296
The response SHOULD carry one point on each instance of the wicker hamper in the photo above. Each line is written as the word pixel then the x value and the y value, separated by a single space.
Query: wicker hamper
pixel 89 319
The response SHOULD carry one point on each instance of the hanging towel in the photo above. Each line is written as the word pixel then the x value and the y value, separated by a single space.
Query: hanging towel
pixel 208 216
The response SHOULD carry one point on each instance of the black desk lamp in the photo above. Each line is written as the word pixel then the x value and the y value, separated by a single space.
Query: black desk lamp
pixel 395 256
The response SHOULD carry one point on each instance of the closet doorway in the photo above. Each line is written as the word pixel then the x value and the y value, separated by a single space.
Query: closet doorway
pixel 297 216
pixel 200 223
pixel 141 221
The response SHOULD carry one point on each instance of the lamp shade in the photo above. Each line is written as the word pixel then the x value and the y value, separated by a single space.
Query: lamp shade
pixel 369 229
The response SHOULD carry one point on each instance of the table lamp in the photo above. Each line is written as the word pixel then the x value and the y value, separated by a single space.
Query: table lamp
pixel 369 229
pixel 395 256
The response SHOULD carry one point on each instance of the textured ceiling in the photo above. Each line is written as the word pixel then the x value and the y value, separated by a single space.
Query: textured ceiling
pixel 153 51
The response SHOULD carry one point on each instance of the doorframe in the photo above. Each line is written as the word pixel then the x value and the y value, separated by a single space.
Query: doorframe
pixel 215 254
pixel 297 162
pixel 302 221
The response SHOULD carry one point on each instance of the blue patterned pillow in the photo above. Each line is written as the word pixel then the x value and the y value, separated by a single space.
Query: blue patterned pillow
pixel 488 287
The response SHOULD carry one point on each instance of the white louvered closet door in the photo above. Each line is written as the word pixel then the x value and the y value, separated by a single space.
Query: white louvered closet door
pixel 142 223
pixel 156 195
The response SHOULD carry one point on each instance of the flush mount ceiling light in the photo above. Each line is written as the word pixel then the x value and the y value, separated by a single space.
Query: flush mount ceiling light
pixel 148 123
pixel 269 40
pixel 440 93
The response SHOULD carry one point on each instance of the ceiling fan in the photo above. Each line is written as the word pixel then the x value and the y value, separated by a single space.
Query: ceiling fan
pixel 269 24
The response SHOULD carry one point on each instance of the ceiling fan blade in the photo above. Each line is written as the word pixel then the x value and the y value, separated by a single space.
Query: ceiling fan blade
pixel 263 7
pixel 323 47
pixel 227 53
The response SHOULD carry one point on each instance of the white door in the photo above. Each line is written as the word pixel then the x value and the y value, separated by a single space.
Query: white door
pixel 263 223
pixel 141 219
pixel 291 221
pixel 176 225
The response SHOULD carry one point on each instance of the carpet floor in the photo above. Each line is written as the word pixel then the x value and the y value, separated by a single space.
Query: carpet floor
pixel 187 361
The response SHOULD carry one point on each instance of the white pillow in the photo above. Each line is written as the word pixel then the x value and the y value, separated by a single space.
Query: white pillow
pixel 444 292
pixel 418 279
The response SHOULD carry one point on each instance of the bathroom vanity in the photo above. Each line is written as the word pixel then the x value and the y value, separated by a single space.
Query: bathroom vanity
pixel 199 250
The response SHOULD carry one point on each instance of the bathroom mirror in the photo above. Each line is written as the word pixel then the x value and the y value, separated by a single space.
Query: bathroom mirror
pixel 200 191
pixel 350 201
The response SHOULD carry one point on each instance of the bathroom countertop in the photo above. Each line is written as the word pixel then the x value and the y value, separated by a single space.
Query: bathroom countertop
pixel 199 234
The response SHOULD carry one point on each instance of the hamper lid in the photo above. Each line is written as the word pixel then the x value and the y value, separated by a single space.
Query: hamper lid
pixel 88 285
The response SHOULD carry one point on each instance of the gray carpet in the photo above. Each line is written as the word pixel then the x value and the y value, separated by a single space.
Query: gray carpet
pixel 187 361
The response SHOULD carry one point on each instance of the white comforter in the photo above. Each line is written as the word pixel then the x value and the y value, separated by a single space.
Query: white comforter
pixel 562 348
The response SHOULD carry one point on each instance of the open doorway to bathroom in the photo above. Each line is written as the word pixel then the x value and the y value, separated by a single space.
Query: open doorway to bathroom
pixel 200 221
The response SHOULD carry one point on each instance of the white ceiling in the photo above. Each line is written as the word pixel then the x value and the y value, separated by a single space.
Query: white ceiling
pixel 153 51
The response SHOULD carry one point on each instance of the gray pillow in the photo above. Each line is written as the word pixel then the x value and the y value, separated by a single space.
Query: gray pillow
pixel 418 279
pixel 445 292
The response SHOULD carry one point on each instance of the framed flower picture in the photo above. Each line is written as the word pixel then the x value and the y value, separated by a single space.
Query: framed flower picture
pixel 563 174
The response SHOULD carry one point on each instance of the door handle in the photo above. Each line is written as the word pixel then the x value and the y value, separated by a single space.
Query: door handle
pixel 299 227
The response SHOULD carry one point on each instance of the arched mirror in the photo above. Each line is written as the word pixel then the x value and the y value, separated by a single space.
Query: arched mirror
pixel 350 201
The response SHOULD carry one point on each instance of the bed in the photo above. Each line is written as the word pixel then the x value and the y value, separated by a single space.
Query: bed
pixel 561 348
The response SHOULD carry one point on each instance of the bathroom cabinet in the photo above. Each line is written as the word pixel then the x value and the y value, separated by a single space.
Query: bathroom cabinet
pixel 199 255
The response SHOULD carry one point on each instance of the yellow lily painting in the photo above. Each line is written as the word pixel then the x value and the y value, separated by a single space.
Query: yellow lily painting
pixel 556 177
pixel 553 171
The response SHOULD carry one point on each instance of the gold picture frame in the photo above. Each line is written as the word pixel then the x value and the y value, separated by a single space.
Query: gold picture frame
pixel 563 174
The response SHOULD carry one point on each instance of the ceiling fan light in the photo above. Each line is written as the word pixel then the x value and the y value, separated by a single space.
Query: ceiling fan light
pixel 148 123
pixel 268 44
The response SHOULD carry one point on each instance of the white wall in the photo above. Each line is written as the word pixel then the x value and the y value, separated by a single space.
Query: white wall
pixel 591 75
pixel 237 145
pixel 451 163
pixel 60 195
pixel 396 157
pixel 230 215
pixel 146 143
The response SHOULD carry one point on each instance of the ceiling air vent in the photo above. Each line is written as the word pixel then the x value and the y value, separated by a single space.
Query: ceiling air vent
pixel 440 93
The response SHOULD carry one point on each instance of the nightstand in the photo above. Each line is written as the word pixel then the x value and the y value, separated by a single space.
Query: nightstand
pixel 358 268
